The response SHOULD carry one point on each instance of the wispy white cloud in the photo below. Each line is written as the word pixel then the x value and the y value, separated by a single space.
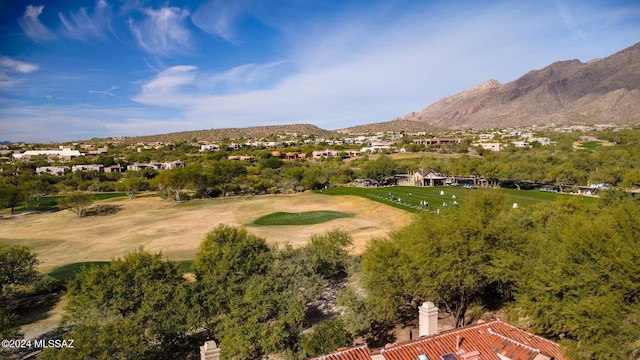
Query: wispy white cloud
pixel 168 82
pixel 33 27
pixel 340 78
pixel 217 18
pixel 183 86
pixel 11 69
pixel 567 17
pixel 9 64
pixel 104 92
pixel 334 71
pixel 246 76
pixel 163 31
pixel 565 14
pixel 81 25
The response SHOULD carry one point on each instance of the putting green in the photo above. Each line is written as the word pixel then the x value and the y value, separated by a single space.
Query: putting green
pixel 299 218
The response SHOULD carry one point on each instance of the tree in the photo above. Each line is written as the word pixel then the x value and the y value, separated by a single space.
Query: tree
pixel 173 180
pixel 631 179
pixel 228 257
pixel 251 297
pixel 380 169
pixel 326 337
pixel 455 260
pixel 9 326
pixel 581 280
pixel 354 312
pixel 132 184
pixel 328 254
pixel 39 188
pixel 138 306
pixel 11 196
pixel 563 176
pixel 222 173
pixel 77 202
pixel 17 267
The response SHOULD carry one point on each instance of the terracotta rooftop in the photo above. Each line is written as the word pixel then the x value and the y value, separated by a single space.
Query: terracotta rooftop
pixel 477 342
pixel 356 353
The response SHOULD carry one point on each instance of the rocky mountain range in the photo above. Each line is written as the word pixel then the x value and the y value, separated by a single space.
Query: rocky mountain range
pixel 565 92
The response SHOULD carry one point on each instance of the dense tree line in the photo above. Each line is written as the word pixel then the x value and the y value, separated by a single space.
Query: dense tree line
pixel 212 175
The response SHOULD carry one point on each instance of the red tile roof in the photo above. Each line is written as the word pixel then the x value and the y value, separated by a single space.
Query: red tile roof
pixel 488 339
pixel 479 342
pixel 356 353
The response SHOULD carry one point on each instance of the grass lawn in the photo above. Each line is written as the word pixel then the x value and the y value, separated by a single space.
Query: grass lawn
pixel 186 266
pixel 299 218
pixel 591 145
pixel 69 271
pixel 408 197
pixel 50 202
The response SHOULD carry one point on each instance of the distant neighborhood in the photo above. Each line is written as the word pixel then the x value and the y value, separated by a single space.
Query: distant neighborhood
pixel 119 155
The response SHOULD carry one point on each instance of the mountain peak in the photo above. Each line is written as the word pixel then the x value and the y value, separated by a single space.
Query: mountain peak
pixel 570 90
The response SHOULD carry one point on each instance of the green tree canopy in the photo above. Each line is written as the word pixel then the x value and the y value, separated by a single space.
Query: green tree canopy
pixel 326 337
pixel 454 259
pixel 379 169
pixel 77 202
pixel 17 268
pixel 581 279
pixel 138 306
pixel 251 297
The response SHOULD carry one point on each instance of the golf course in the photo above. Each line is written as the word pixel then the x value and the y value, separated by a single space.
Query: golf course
pixel 61 239
pixel 176 229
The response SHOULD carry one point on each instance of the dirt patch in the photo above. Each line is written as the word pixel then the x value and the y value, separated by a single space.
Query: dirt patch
pixel 177 229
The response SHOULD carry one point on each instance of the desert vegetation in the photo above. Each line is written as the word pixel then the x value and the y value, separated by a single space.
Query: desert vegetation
pixel 153 262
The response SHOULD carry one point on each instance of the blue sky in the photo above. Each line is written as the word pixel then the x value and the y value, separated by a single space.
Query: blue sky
pixel 76 69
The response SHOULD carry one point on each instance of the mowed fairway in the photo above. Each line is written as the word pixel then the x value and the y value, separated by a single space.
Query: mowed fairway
pixel 177 229
pixel 408 198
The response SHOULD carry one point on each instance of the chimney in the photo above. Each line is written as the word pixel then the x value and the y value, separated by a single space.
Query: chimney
pixel 428 319
pixel 472 355
pixel 209 351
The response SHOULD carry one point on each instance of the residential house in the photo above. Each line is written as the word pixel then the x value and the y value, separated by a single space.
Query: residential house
pixel 490 340
pixel 209 147
pixel 113 169
pixel 437 141
pixel 155 165
pixel 493 146
pixel 64 155
pixel 89 167
pixel 172 165
pixel 422 177
pixel 544 141
pixel 319 154
pixel 98 151
pixel 521 144
pixel 53 170
pixel 376 147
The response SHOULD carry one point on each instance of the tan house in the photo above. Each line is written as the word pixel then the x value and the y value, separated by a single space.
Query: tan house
pixel 423 177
